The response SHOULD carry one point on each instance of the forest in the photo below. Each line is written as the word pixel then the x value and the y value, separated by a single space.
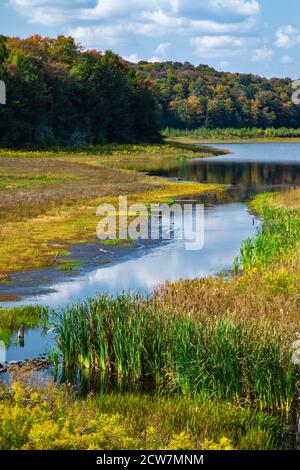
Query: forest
pixel 60 94
pixel 191 97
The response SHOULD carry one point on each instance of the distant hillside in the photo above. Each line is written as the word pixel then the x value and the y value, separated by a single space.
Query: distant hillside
pixel 191 97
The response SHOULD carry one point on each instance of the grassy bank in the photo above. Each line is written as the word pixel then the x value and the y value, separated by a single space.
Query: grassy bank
pixel 216 354
pixel 233 135
pixel 218 344
pixel 35 418
pixel 49 199
pixel 278 242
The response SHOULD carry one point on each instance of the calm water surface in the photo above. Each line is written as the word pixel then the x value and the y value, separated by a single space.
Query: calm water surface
pixel 249 169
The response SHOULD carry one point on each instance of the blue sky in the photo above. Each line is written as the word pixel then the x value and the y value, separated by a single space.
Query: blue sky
pixel 258 36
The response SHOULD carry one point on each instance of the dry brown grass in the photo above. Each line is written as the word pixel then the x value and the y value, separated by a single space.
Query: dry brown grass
pixel 46 198
pixel 244 298
pixel 74 182
pixel 288 200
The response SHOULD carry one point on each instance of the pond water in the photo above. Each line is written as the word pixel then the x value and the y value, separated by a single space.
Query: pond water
pixel 249 169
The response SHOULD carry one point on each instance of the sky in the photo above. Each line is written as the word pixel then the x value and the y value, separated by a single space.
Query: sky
pixel 249 36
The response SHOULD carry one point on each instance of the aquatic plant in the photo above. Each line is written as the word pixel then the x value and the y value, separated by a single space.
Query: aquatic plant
pixel 133 340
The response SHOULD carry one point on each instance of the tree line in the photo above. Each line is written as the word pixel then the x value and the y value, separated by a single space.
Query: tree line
pixel 191 97
pixel 60 94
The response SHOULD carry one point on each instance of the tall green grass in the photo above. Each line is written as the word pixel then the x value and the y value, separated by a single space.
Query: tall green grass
pixel 276 240
pixel 199 417
pixel 131 340
pixel 232 133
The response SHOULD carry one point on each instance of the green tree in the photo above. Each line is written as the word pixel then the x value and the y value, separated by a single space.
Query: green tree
pixel 3 49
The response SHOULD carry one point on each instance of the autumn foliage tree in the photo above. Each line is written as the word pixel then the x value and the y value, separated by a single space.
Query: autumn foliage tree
pixel 195 96
pixel 60 94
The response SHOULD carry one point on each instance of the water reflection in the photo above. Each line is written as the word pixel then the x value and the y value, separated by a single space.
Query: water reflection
pixel 252 168
pixel 168 261
pixel 36 343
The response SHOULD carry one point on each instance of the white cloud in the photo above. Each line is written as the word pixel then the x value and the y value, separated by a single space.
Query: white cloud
pixel 214 27
pixel 106 37
pixel 162 48
pixel 46 12
pixel 286 59
pixel 114 23
pixel 287 36
pixel 133 58
pixel 218 46
pixel 240 7
pixel 263 54
pixel 159 13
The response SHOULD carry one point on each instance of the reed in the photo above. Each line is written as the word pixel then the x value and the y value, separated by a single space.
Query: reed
pixel 133 340
pixel 277 239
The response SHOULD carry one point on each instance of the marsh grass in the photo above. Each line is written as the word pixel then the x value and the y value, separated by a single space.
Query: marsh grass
pixel 133 340
pixel 69 265
pixel 115 150
pixel 261 300
pixel 276 241
pixel 118 241
pixel 215 354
